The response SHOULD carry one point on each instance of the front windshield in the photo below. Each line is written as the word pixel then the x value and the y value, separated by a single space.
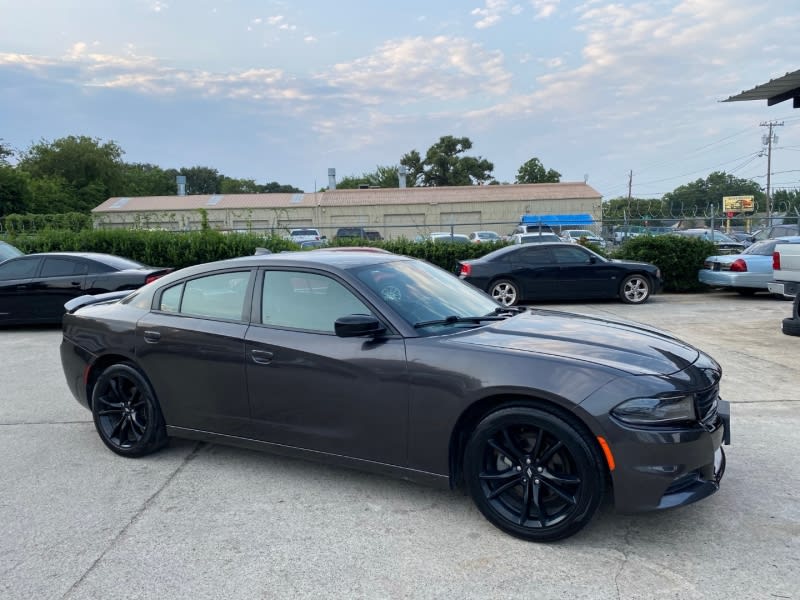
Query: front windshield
pixel 419 292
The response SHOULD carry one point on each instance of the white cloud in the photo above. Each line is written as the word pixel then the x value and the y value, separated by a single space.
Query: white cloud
pixel 440 68
pixel 544 8
pixel 309 39
pixel 492 13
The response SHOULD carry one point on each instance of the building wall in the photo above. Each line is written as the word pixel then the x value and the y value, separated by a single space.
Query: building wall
pixel 391 220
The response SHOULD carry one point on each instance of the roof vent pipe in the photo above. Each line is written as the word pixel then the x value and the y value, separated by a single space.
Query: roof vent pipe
pixel 401 173
pixel 331 179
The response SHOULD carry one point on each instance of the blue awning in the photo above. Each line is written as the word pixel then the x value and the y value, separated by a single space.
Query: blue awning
pixel 558 220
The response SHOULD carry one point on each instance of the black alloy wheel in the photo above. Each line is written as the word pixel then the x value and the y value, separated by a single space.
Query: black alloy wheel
pixel 126 414
pixel 533 474
pixel 635 289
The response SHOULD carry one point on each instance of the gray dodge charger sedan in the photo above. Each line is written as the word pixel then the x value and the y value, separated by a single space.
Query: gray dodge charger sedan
pixel 388 364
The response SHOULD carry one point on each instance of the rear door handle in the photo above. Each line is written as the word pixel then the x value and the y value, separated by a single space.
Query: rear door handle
pixel 261 357
pixel 152 337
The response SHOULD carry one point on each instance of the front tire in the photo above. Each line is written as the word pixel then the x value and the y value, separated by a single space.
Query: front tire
pixel 533 474
pixel 126 413
pixel 505 292
pixel 635 289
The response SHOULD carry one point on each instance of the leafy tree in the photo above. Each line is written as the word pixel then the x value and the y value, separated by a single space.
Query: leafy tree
pixel 415 167
pixel 229 185
pixel 697 196
pixel 444 165
pixel 15 193
pixel 273 187
pixel 351 182
pixel 202 180
pixel 533 171
pixel 5 152
pixel 385 177
pixel 91 171
pixel 144 179
pixel 51 195
pixel 618 209
pixel 787 201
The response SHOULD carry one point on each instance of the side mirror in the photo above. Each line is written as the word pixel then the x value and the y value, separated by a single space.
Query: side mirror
pixel 358 326
pixel 592 260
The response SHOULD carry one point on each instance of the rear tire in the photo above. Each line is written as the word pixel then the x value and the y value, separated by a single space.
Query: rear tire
pixel 533 474
pixel 505 292
pixel 126 413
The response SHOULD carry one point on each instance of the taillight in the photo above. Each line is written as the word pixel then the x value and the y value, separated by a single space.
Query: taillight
pixel 739 266
pixel 776 261
pixel 153 277
pixel 466 269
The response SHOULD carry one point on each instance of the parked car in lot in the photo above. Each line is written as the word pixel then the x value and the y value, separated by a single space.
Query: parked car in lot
pixel 357 233
pixel 574 236
pixel 532 272
pixel 747 272
pixel 445 237
pixel 534 238
pixel 776 231
pixel 725 244
pixel 349 358
pixel 8 251
pixel 478 237
pixel 306 234
pixel 626 232
pixel 34 287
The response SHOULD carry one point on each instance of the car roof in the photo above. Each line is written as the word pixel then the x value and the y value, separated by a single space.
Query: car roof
pixel 98 256
pixel 516 248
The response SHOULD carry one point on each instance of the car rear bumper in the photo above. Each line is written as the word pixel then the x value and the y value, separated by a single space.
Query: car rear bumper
pixel 658 470
pixel 729 279
pixel 788 289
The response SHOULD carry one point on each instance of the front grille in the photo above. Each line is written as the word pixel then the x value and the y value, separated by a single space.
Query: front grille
pixel 705 403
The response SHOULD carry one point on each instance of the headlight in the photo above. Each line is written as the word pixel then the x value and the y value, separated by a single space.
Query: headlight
pixel 656 411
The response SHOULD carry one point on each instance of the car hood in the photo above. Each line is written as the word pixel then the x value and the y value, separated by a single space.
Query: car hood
pixel 630 347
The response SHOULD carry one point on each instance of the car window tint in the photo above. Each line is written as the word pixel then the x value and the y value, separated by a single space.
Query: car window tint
pixel 62 267
pixel 306 301
pixel 533 256
pixel 216 296
pixel 570 255
pixel 22 268
pixel 171 299
pixel 98 267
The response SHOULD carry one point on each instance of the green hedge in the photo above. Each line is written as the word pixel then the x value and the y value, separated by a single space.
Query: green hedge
pixel 30 223
pixel 156 248
pixel 679 258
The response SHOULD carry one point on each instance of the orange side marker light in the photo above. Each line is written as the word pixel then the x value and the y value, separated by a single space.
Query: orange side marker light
pixel 607 451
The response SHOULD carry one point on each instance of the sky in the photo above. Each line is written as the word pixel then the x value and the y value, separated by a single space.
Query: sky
pixel 281 91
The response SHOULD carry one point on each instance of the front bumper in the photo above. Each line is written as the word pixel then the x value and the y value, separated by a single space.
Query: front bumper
pixel 665 469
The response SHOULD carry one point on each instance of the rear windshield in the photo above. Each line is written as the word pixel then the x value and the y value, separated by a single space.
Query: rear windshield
pixel 117 262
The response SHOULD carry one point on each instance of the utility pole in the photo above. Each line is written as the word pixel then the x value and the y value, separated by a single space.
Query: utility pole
pixel 768 139
pixel 630 181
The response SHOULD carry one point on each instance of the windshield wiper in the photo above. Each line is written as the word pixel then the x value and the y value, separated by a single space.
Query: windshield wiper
pixel 456 319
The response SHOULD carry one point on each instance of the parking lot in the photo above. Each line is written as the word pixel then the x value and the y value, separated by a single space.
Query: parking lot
pixel 206 521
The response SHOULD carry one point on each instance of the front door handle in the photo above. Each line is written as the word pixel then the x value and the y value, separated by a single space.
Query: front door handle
pixel 152 337
pixel 261 357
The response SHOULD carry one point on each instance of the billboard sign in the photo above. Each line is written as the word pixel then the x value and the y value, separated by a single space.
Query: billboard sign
pixel 738 204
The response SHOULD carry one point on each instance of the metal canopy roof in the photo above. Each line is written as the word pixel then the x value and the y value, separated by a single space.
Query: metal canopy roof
pixel 558 220
pixel 774 91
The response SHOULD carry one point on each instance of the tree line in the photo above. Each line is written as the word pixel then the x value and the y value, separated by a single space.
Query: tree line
pixel 77 173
